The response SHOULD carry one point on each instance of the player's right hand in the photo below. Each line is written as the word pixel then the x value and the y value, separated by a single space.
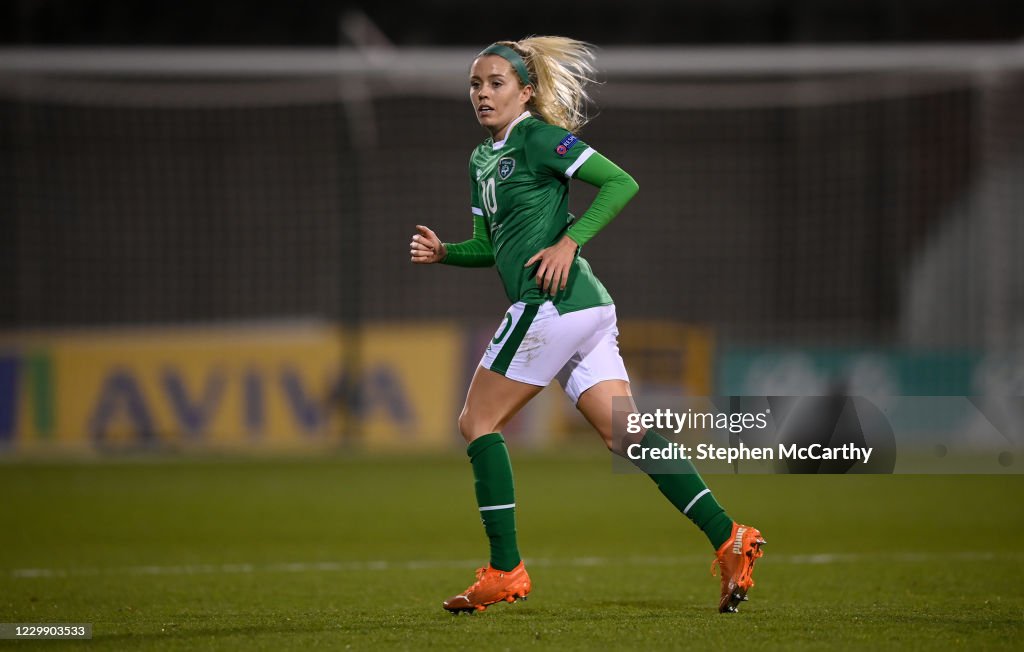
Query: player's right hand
pixel 426 247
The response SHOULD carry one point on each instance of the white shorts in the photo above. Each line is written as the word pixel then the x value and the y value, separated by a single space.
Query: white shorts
pixel 534 344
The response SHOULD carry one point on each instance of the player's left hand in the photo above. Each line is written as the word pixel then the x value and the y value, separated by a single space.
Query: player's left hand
pixel 555 263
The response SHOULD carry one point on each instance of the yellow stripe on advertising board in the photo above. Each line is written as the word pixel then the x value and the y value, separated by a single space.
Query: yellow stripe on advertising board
pixel 262 387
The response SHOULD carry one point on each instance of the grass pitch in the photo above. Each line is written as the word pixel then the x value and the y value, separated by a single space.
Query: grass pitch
pixel 359 552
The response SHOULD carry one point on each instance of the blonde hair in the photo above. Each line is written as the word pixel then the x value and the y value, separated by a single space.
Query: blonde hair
pixel 560 69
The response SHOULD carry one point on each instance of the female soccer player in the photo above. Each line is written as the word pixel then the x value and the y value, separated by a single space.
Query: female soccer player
pixel 530 96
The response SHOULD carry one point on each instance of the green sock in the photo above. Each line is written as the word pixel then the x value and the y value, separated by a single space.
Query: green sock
pixel 683 486
pixel 496 497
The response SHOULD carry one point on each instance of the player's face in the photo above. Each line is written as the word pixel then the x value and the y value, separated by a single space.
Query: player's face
pixel 497 97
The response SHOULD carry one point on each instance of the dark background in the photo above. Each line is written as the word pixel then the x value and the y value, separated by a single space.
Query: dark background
pixel 857 207
pixel 462 22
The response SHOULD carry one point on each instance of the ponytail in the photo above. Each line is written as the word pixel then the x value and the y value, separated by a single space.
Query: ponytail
pixel 560 68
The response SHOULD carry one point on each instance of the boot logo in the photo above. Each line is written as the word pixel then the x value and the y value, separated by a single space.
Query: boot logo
pixel 737 544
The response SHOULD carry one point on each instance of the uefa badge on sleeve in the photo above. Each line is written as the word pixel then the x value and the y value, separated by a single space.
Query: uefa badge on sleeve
pixel 566 144
pixel 505 167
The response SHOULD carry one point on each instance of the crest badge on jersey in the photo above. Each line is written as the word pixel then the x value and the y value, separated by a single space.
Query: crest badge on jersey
pixel 505 167
pixel 566 144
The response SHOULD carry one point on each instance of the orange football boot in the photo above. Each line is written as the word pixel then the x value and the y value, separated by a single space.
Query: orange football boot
pixel 736 559
pixel 492 585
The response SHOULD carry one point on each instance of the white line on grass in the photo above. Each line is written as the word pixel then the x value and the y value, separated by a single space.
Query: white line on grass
pixel 382 565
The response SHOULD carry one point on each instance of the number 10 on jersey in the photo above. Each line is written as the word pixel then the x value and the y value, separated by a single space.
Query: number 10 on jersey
pixel 489 196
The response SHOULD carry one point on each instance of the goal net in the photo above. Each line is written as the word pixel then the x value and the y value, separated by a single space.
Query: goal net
pixel 864 194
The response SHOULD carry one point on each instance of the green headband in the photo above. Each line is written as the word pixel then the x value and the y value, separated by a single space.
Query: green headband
pixel 510 55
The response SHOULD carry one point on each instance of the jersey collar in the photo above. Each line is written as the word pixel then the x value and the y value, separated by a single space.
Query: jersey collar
pixel 508 131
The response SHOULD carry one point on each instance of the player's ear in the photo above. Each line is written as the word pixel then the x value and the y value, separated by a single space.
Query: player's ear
pixel 526 94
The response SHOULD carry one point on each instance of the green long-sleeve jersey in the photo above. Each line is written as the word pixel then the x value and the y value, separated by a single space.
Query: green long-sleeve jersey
pixel 520 203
